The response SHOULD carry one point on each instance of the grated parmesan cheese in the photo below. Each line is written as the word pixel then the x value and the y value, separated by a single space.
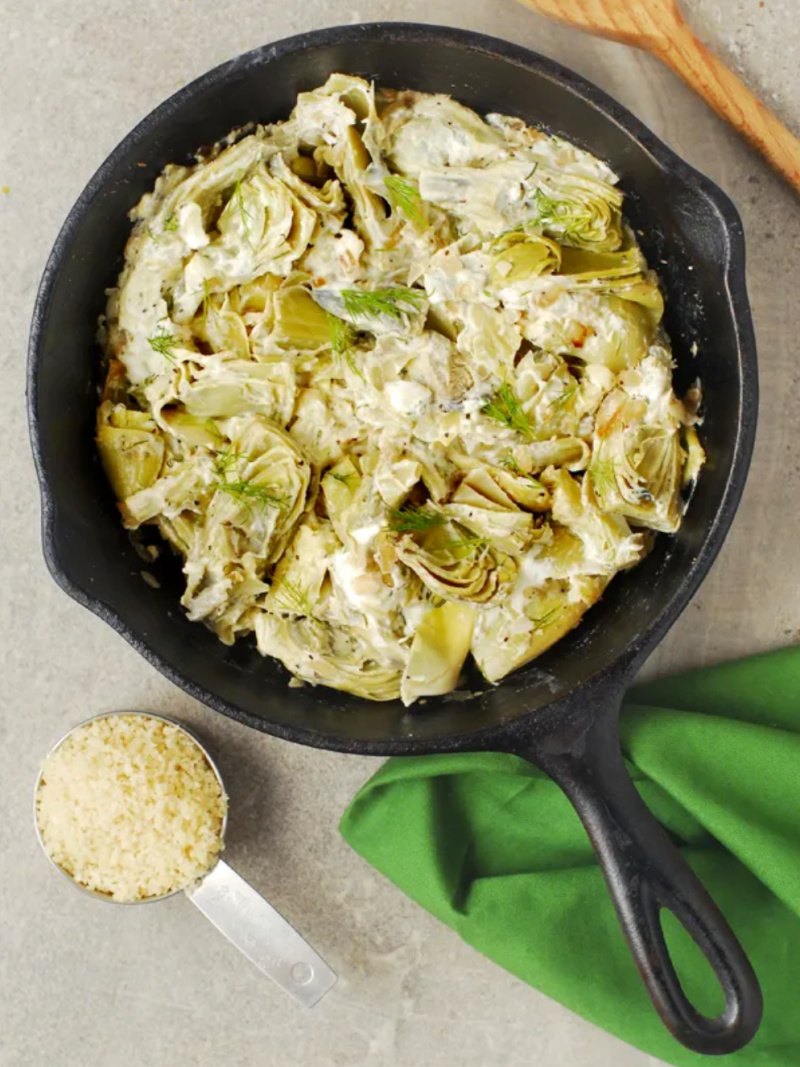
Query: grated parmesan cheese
pixel 129 806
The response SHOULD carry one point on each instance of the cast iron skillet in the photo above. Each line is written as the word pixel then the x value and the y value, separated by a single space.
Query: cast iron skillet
pixel 561 712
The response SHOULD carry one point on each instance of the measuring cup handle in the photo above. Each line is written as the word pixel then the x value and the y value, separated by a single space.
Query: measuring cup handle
pixel 262 934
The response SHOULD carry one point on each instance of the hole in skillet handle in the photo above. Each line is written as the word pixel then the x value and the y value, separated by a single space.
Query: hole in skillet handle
pixel 644 872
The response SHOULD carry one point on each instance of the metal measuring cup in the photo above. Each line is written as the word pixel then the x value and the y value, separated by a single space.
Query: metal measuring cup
pixel 230 903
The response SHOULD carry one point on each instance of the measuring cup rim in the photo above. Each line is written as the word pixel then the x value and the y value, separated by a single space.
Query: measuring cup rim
pixel 111 715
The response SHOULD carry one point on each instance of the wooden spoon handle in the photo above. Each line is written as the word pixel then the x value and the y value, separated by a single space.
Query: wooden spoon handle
pixel 730 98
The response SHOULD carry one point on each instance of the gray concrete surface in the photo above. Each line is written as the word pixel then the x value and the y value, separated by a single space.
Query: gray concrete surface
pixel 85 983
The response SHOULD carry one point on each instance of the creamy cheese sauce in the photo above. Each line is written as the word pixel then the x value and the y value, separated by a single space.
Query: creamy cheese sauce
pixel 391 378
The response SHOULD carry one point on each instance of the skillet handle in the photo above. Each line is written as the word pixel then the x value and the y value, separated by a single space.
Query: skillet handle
pixel 645 872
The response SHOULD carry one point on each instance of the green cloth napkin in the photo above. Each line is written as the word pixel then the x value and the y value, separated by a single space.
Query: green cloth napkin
pixel 491 846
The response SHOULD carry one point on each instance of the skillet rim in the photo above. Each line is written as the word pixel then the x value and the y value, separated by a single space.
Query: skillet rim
pixel 619 670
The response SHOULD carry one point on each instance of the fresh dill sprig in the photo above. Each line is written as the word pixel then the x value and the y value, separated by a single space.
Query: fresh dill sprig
pixel 349 357
pixel 343 335
pixel 412 519
pixel 603 473
pixel 213 429
pixel 291 596
pixel 345 479
pixel 505 408
pixel 242 490
pixel 547 619
pixel 565 397
pixel 248 493
pixel 404 196
pixel 163 342
pixel 392 303
pixel 469 544
pixel 169 225
pixel 562 214
pixel 206 299
pixel 511 465
pixel 225 461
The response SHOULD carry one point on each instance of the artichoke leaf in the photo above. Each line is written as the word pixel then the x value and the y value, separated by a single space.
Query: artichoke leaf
pixel 608 542
pixel 356 93
pixel 524 490
pixel 208 183
pixel 263 228
pixel 552 397
pixel 180 487
pixel 156 258
pixel 440 646
pixel 437 471
pixel 192 430
pixel 518 259
pixel 510 531
pixel 395 475
pixel 299 323
pixel 115 384
pixel 223 593
pixel 482 506
pixel 574 210
pixel 131 448
pixel 490 339
pixel 321 429
pixel 549 149
pixel 571 453
pixel 181 531
pixel 255 298
pixel 327 201
pixel 434 132
pixel 584 265
pixel 350 159
pixel 235 615
pixel 479 489
pixel 354 506
pixel 593 327
pixel 558 553
pixel 623 274
pixel 260 490
pixel 223 387
pixel 455 567
pixel 485 200
pixel 314 652
pixel 300 574
pixel 636 468
pixel 504 639
pixel 638 462
pixel 323 116
pixel 222 328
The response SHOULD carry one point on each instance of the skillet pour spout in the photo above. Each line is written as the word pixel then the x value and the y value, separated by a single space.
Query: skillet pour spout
pixel 559 711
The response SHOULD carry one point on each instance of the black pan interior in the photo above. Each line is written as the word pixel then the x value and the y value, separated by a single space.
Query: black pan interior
pixel 689 231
